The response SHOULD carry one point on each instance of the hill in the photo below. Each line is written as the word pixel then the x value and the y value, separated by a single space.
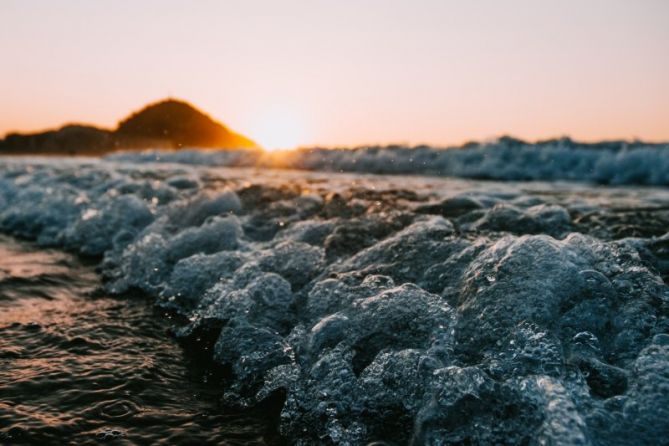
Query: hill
pixel 181 125
pixel 167 124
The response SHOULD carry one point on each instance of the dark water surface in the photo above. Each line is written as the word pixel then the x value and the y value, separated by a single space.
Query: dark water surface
pixel 80 368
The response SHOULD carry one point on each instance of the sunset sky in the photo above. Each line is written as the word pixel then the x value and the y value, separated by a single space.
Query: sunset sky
pixel 345 72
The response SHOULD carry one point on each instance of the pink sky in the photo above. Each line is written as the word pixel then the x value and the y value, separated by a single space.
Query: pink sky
pixel 345 73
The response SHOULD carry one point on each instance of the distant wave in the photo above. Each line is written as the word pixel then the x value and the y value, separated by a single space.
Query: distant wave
pixel 507 160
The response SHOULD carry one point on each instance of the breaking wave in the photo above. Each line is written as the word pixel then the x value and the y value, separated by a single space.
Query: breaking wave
pixel 506 160
pixel 426 310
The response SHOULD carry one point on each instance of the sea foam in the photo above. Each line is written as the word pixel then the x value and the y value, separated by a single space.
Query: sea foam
pixel 420 310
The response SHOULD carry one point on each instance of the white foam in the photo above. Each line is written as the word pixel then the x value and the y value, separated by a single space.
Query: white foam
pixel 420 309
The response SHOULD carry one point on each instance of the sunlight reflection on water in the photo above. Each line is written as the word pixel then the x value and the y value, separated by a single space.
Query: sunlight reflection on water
pixel 81 368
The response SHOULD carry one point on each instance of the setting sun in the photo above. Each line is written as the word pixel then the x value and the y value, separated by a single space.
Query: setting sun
pixel 278 129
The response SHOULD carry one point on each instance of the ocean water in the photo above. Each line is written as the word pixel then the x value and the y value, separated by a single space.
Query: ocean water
pixel 504 159
pixel 366 308
pixel 80 367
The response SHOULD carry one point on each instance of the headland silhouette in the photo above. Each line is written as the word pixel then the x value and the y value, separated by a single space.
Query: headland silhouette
pixel 166 124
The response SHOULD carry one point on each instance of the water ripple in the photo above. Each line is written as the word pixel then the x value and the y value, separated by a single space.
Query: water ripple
pixel 78 369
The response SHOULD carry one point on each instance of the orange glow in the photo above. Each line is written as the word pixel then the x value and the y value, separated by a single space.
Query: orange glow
pixel 278 129
pixel 437 71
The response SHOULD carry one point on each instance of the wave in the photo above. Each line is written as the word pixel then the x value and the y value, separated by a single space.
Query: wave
pixel 504 160
pixel 379 308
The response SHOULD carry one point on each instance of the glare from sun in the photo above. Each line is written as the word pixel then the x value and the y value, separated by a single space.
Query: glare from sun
pixel 278 129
